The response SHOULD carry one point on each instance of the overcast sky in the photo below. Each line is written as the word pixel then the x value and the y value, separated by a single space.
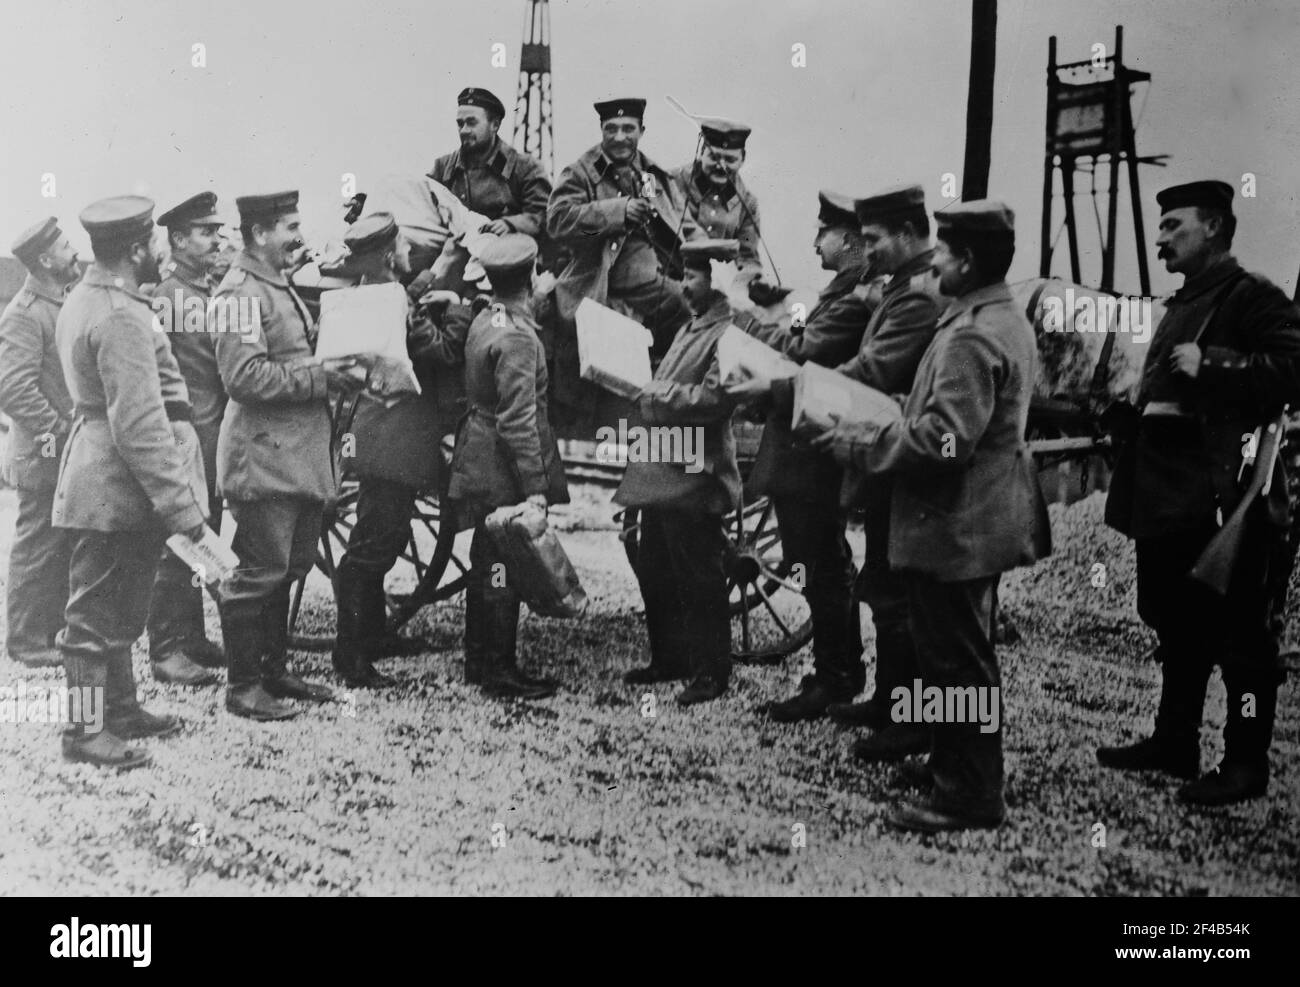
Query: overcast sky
pixel 103 96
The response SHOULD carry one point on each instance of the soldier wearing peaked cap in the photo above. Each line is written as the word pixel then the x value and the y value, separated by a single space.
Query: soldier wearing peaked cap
pixel 34 396
pixel 965 504
pixel 179 648
pixel 804 484
pixel 507 186
pixel 720 203
pixel 274 464
pixel 681 546
pixel 896 231
pixel 622 219
pixel 397 454
pixel 506 453
pixel 1223 362
pixel 131 475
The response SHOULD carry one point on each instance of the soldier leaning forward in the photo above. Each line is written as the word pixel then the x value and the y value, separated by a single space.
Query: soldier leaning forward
pixel 965 505
pixel 397 454
pixel 274 464
pixel 804 484
pixel 506 453
pixel 34 396
pixel 132 474
pixel 179 648
pixel 681 546
pixel 1224 360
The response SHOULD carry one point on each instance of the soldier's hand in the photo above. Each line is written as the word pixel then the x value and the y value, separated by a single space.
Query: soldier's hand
pixel 340 375
pixel 419 284
pixel 638 212
pixel 498 226
pixel 840 441
pixel 538 501
pixel 747 389
pixel 1186 358
pixel 763 294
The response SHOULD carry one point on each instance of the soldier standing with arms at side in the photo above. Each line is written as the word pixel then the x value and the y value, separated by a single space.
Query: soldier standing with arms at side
pixel 506 453
pixel 805 484
pixel 274 464
pixel 681 545
pixel 620 215
pixel 132 474
pixel 722 207
pixel 34 396
pixel 1223 362
pixel 507 186
pixel 178 643
pixel 398 454
pixel 965 503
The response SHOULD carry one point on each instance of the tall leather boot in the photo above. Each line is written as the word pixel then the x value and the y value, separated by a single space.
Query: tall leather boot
pixel 242 634
pixel 123 715
pixel 502 676
pixel 895 665
pixel 1243 772
pixel 81 740
pixel 276 677
pixel 360 611
pixel 1175 746
pixel 476 632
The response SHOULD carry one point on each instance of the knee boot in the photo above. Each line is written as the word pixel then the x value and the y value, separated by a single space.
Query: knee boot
pixel 360 612
pixel 242 633
pixel 276 677
pixel 84 740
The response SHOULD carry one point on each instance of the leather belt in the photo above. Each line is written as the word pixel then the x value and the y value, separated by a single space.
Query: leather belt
pixel 177 411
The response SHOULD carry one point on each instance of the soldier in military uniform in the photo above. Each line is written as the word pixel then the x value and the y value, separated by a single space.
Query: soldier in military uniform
pixel 492 178
pixel 722 207
pixel 178 644
pixel 397 454
pixel 621 216
pixel 965 503
pixel 274 464
pixel 804 484
pixel 35 397
pixel 1224 361
pixel 506 453
pixel 681 546
pixel 897 233
pixel 132 474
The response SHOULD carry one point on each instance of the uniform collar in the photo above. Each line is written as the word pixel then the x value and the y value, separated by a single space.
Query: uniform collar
pixel 972 300
pixel 97 276
pixel 845 281
pixel 901 278
pixel 256 267
pixel 42 290
pixel 1207 280
pixel 498 159
pixel 726 192
pixel 601 163
pixel 183 270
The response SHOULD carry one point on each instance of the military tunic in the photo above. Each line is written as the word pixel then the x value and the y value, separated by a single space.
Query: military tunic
pixel 274 463
pixel 726 213
pixel 506 185
pixel 34 396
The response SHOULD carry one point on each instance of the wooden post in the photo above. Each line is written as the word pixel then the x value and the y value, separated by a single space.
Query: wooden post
pixel 979 100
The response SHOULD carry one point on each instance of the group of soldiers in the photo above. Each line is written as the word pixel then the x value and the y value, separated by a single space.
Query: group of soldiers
pixel 154 431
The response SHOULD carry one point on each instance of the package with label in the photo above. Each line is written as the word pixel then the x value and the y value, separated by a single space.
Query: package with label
pixel 536 564
pixel 210 559
pixel 613 350
pixel 740 355
pixel 823 396
pixel 368 323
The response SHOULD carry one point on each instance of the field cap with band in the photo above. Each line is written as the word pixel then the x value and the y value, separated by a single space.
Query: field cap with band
pixel 699 254
pixel 979 216
pixel 472 96
pixel 890 204
pixel 1207 195
pixel 378 231
pixel 259 208
pixel 122 219
pixel 35 239
pixel 726 135
pixel 507 254
pixel 610 108
pixel 197 210
pixel 835 210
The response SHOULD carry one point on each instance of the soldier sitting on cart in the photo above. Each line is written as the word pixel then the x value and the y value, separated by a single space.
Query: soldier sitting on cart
pixel 397 455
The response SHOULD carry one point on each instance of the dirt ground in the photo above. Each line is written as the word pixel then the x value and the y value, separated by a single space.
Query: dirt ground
pixel 431 788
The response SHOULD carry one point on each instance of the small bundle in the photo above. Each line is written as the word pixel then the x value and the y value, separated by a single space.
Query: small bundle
pixel 536 563
pixel 613 350
pixel 823 397
pixel 741 355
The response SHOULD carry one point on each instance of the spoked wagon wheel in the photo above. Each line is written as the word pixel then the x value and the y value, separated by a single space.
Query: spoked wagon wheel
pixel 428 570
pixel 769 618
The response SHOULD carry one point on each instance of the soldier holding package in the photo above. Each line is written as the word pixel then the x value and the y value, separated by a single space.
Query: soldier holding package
pixel 506 453
pixel 1223 362
pixel 681 546
pixel 398 454
pixel 34 396
pixel 132 474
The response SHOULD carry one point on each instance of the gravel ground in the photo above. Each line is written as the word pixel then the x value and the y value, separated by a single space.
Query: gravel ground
pixel 431 788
